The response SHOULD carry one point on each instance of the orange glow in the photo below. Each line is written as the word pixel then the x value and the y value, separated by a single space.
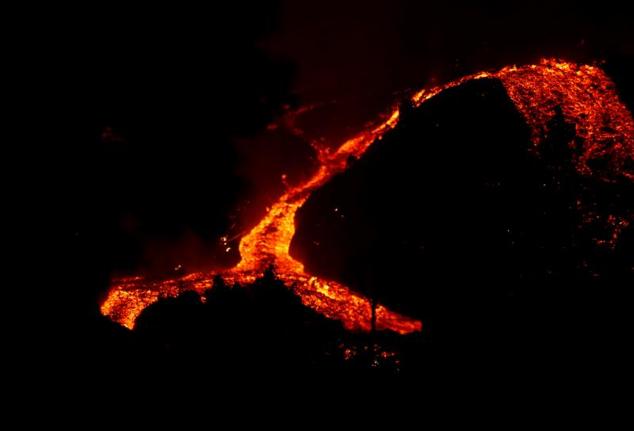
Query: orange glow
pixel 588 100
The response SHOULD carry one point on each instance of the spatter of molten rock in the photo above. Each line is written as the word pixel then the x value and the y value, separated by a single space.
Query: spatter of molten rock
pixel 587 99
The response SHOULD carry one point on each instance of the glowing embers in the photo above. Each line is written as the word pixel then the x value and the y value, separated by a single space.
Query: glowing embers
pixel 604 130
pixel 587 97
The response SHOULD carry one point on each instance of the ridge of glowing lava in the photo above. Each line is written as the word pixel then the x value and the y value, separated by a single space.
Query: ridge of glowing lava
pixel 588 100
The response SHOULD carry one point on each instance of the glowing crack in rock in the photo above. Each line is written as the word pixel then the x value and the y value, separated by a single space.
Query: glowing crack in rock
pixel 587 99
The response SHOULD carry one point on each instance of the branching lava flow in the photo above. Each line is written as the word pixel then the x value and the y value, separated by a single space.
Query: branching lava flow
pixel 588 100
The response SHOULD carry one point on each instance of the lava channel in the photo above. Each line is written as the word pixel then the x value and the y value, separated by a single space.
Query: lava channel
pixel 587 99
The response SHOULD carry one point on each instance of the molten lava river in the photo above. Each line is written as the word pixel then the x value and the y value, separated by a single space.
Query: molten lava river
pixel 588 100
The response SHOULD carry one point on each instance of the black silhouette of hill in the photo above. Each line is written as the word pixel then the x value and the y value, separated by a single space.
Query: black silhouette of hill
pixel 453 219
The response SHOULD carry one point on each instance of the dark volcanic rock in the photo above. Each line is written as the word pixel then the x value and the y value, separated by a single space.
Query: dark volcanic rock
pixel 415 206
pixel 454 218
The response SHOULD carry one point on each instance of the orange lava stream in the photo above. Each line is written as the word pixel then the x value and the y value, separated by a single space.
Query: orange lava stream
pixel 588 100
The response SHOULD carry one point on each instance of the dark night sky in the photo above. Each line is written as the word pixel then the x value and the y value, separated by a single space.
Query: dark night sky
pixel 363 52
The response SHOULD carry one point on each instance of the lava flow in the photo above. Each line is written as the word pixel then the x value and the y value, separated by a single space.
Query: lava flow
pixel 587 98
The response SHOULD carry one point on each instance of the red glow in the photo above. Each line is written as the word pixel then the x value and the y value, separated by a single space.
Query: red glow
pixel 588 100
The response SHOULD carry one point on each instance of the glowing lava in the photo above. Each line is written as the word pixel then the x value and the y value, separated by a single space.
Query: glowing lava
pixel 587 97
